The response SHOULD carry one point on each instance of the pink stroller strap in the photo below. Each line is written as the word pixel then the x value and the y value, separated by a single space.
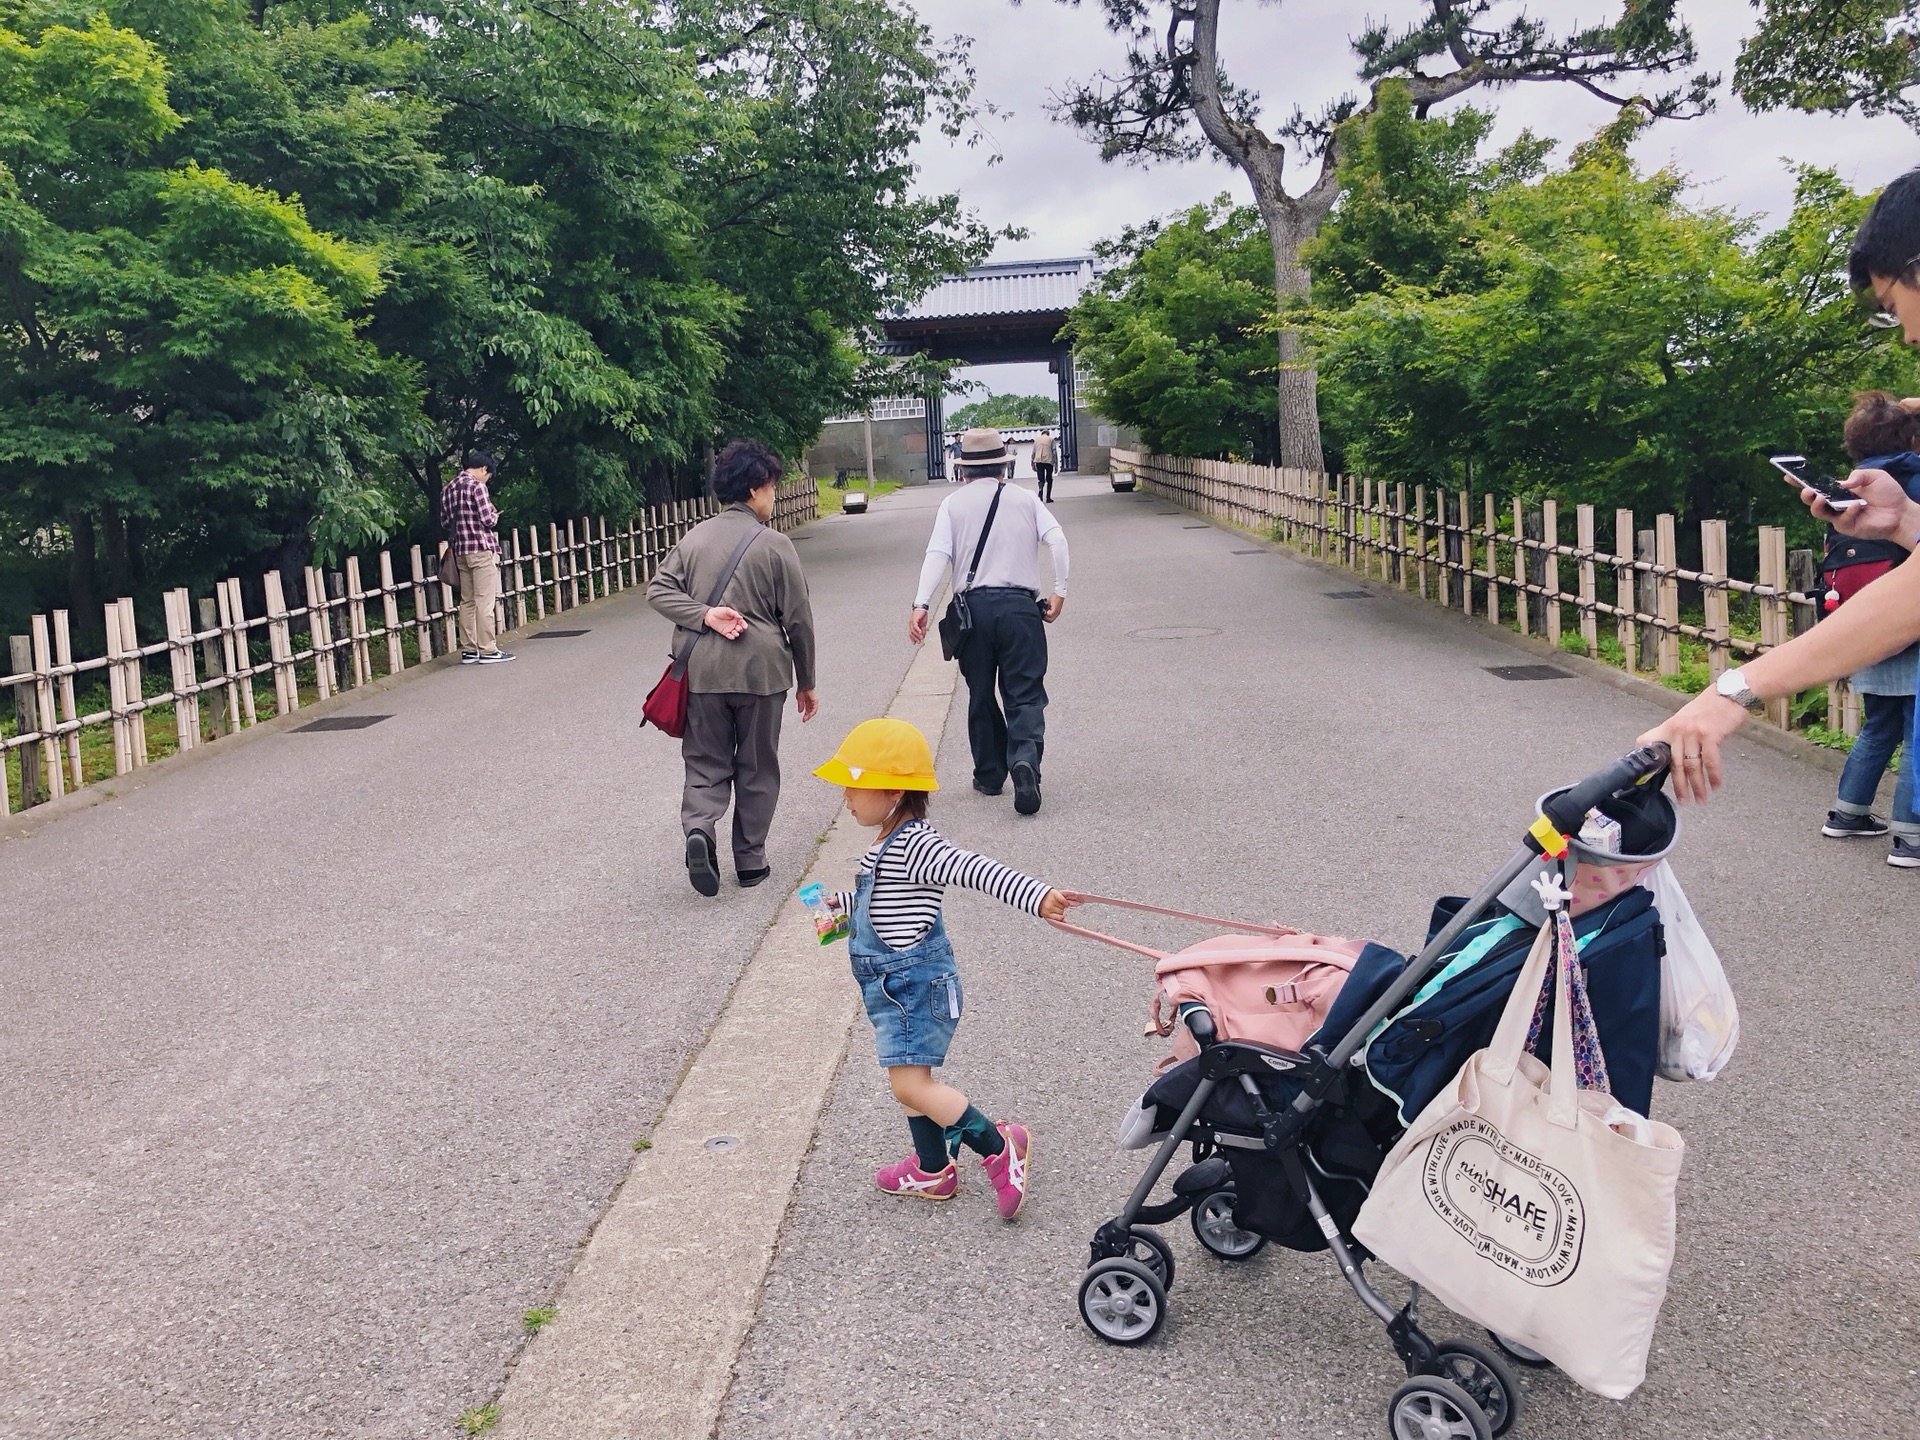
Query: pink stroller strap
pixel 1076 898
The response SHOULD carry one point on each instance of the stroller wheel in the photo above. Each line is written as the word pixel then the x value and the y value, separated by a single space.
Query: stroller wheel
pixel 1518 1353
pixel 1123 1302
pixel 1213 1227
pixel 1148 1249
pixel 1429 1408
pixel 1484 1376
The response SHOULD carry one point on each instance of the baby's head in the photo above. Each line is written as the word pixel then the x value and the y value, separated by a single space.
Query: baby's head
pixel 1638 831
pixel 886 768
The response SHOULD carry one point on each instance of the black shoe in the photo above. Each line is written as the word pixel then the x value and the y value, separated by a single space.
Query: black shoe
pixel 1842 826
pixel 700 867
pixel 750 878
pixel 1026 789
pixel 493 657
pixel 999 789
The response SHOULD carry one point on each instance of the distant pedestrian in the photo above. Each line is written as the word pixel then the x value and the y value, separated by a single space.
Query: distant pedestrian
pixel 904 964
pixel 989 533
pixel 1881 434
pixel 471 525
pixel 761 643
pixel 1043 465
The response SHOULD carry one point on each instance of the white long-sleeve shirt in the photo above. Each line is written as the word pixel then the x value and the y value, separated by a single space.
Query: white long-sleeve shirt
pixel 1012 556
pixel 912 881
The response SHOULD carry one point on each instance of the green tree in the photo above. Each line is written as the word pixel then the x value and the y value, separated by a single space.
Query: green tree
pixel 1006 412
pixel 1833 55
pixel 1176 337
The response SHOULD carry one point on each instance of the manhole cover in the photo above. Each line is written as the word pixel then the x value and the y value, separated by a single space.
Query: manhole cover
pixel 1174 632
pixel 343 722
pixel 721 1144
pixel 1166 512
pixel 557 634
pixel 1252 552
pixel 1528 672
pixel 1196 527
pixel 1348 594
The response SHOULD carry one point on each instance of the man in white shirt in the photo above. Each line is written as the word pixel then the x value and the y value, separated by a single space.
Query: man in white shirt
pixel 1007 643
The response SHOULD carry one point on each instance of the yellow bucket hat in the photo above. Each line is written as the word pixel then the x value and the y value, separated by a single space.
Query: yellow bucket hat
pixel 882 755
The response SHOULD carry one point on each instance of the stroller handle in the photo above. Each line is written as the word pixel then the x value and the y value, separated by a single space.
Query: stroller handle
pixel 1646 765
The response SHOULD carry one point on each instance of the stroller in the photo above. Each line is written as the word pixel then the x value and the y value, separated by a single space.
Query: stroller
pixel 1287 1140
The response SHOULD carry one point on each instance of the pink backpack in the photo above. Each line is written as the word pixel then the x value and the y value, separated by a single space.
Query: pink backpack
pixel 1268 983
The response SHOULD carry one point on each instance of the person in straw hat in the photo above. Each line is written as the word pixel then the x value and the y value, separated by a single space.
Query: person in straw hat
pixel 909 981
pixel 989 534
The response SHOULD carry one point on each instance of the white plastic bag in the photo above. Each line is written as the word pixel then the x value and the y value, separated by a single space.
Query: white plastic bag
pixel 1699 1022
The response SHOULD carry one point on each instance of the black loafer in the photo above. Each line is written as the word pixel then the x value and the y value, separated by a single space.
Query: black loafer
pixel 996 790
pixel 1026 789
pixel 750 878
pixel 700 867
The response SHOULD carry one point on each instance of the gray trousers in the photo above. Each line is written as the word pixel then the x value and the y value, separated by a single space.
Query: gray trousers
pixel 732 747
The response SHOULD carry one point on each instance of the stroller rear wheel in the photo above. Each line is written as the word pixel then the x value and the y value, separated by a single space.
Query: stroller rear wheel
pixel 1429 1408
pixel 1148 1249
pixel 1518 1353
pixel 1485 1377
pixel 1213 1227
pixel 1123 1302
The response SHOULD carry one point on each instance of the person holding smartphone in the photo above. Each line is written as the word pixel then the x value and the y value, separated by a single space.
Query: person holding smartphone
pixel 1884 617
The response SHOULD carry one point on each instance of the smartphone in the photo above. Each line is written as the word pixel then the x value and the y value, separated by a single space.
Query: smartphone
pixel 1800 473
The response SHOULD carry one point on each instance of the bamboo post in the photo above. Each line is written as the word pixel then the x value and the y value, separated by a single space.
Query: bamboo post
pixel 136 678
pixel 1667 555
pixel 1803 577
pixel 1647 598
pixel 43 694
pixel 449 615
pixel 1774 620
pixel 117 693
pixel 1492 535
pixel 357 624
pixel 1713 594
pixel 1550 561
pixel 1522 601
pixel 1465 547
pixel 519 581
pixel 1626 592
pixel 234 637
pixel 69 708
pixel 422 627
pixel 539 580
pixel 319 632
pixel 286 685
pixel 559 569
pixel 221 712
pixel 26 711
pixel 186 679
pixel 1589 590
pixel 390 615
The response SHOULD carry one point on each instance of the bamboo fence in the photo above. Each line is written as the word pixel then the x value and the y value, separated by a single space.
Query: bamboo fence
pixel 354 625
pixel 1506 564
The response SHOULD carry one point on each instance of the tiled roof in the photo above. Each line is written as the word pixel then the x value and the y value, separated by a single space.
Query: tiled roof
pixel 1013 287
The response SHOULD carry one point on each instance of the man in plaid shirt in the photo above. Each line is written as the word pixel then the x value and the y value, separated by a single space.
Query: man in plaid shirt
pixel 468 518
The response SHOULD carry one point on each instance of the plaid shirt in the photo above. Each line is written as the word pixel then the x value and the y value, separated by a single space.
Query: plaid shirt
pixel 468 517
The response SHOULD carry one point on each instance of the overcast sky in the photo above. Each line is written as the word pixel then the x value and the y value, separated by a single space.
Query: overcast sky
pixel 1052 182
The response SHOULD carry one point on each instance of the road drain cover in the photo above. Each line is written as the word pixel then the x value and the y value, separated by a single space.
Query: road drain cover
pixel 1252 552
pixel 557 634
pixel 344 722
pixel 1174 632
pixel 1528 672
pixel 1348 594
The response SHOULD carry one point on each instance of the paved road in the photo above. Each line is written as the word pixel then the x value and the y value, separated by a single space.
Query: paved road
pixel 321 1057
pixel 1338 764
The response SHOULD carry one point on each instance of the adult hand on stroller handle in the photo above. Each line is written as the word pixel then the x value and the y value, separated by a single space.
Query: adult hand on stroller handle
pixel 1643 766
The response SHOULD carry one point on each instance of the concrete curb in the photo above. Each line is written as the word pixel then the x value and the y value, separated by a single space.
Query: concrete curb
pixel 663 1295
pixel 113 787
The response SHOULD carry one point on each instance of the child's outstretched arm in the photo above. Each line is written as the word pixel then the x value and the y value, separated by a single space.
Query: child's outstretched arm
pixel 931 859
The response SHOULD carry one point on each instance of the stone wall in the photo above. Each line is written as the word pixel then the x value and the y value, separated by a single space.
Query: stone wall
pixel 900 448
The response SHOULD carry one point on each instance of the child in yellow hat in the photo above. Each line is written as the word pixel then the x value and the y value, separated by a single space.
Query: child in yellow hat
pixel 904 963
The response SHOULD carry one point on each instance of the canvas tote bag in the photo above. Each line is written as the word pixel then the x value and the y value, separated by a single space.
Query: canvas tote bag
pixel 1518 1206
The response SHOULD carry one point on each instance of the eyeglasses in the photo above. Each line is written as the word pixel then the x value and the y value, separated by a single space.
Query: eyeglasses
pixel 1882 316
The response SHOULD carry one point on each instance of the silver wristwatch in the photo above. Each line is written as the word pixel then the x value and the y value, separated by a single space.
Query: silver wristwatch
pixel 1733 685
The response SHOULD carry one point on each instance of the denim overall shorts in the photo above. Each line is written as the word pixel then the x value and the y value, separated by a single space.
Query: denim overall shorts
pixel 912 996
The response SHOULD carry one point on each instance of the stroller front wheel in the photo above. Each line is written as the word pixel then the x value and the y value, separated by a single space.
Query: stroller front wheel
pixel 1148 1249
pixel 1213 1227
pixel 1485 1377
pixel 1429 1408
pixel 1123 1302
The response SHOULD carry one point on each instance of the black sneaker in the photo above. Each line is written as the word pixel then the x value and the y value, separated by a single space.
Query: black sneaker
pixel 700 867
pixel 1026 789
pixel 494 657
pixel 469 657
pixel 750 878
pixel 1842 826
pixel 1905 854
pixel 996 790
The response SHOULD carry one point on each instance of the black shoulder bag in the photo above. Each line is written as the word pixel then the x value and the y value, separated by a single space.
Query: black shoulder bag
pixel 958 620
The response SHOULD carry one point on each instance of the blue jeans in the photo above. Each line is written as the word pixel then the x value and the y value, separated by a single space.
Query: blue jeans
pixel 1887 724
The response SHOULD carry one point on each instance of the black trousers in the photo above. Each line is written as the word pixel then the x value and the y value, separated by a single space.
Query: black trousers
pixel 1043 476
pixel 1006 650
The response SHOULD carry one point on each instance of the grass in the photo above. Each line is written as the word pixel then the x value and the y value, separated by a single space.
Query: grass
pixel 538 1318
pixel 478 1420
pixel 641 1146
pixel 830 498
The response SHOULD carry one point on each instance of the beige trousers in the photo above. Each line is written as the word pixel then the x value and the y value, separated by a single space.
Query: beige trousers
pixel 479 599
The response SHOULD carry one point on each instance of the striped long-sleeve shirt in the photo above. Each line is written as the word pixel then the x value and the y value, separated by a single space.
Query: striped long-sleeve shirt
pixel 913 878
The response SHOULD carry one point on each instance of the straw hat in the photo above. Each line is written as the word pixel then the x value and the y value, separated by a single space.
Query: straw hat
pixel 882 755
pixel 982 448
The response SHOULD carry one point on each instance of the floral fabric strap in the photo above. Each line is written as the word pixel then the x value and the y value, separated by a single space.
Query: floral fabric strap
pixel 1589 1064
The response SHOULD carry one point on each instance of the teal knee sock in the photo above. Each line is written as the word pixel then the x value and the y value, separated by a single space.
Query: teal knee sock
pixel 976 1132
pixel 929 1143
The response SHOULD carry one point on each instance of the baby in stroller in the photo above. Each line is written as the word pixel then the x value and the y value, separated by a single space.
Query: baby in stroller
pixel 1288 1127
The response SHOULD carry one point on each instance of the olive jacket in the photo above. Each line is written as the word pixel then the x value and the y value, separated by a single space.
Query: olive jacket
pixel 769 590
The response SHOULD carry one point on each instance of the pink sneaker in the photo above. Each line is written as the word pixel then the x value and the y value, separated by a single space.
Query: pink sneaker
pixel 905 1177
pixel 1008 1170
